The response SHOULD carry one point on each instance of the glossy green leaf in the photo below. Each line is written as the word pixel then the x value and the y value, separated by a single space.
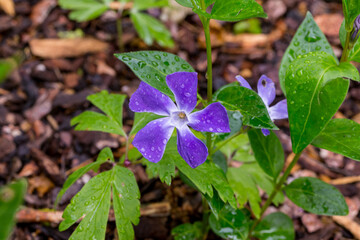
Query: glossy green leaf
pixel 104 155
pixel 316 86
pixel 142 5
pixel 316 196
pixel 235 122
pixel 165 168
pixel 11 197
pixel 268 151
pixel 126 202
pixel 215 203
pixel 84 10
pixel 342 34
pixel 245 181
pixel 235 10
pixel 215 178
pixel 231 224
pixel 111 105
pixel 354 54
pixel 152 67
pixel 250 105
pixel 308 38
pixel 140 121
pixel 188 3
pixel 275 226
pixel 188 231
pixel 220 160
pixel 150 29
pixel 340 136
pixel 94 201
pixel 351 10
pixel 238 149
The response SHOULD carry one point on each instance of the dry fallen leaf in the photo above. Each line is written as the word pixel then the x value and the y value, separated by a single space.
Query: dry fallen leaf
pixel 62 48
pixel 41 183
pixel 8 7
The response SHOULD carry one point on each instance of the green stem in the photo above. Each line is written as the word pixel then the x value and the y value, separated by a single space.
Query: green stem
pixel 119 31
pixel 277 188
pixel 344 56
pixel 205 221
pixel 209 60
pixel 226 141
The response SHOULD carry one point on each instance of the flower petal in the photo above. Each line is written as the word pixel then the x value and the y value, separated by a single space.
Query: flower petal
pixel 265 131
pixel 279 110
pixel 243 82
pixel 266 89
pixel 151 140
pixel 184 87
pixel 211 119
pixel 191 149
pixel 149 99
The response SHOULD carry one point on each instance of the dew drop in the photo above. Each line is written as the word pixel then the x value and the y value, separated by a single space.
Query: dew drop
pixel 126 58
pixel 157 57
pixel 311 36
pixel 296 43
pixel 167 63
pixel 142 64
pixel 184 66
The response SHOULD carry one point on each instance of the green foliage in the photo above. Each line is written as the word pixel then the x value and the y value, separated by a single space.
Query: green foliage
pixel 152 67
pixel 268 152
pixel 275 226
pixel 317 197
pixel 188 231
pixel 351 10
pixel 84 10
pixel 104 155
pixel 150 29
pixel 340 136
pixel 11 197
pixel 308 38
pixel 354 54
pixel 234 10
pixel 316 86
pixel 111 105
pixel 245 181
pixel 146 4
pixel 140 121
pixel 231 224
pixel 248 103
pixel 235 122
pixel 238 149
pixel 7 65
pixel 215 203
pixel 94 202
pixel 249 26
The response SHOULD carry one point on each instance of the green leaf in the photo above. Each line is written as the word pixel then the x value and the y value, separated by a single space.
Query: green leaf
pixel 268 152
pixel 316 86
pixel 152 67
pixel 215 179
pixel 308 38
pixel 111 105
pixel 94 200
pixel 231 224
pixel 315 196
pixel 188 231
pixel 235 122
pixel 188 3
pixel 11 197
pixel 140 121
pixel 126 202
pixel 215 203
pixel 354 54
pixel 104 156
pixel 235 10
pixel 340 136
pixel 84 10
pixel 150 29
pixel 351 10
pixel 248 103
pixel 245 181
pixel 342 34
pixel 275 226
pixel 142 5
pixel 238 149
pixel 7 65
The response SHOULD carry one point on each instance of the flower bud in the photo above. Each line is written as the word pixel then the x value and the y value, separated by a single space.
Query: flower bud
pixel 355 33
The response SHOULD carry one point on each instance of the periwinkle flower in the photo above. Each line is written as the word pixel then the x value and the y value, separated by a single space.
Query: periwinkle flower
pixel 354 35
pixel 266 90
pixel 152 139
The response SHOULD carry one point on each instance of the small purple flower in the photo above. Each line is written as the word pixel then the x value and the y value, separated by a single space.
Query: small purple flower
pixel 152 139
pixel 356 28
pixel 266 90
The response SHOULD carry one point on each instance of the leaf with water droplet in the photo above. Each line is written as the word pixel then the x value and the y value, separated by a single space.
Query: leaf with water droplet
pixel 316 94
pixel 316 196
pixel 110 122
pixel 312 40
pixel 158 68
pixel 340 136
pixel 188 231
pixel 276 225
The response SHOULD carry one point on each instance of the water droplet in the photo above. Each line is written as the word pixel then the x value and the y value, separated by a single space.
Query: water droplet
pixel 87 203
pixel 184 66
pixel 177 58
pixel 152 148
pixel 155 64
pixel 292 102
pixel 126 58
pixel 165 54
pixel 143 54
pixel 157 57
pixel 167 63
pixel 311 36
pixel 142 64
pixel 318 48
pixel 296 43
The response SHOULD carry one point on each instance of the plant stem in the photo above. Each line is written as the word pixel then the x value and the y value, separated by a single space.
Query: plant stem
pixel 205 221
pixel 119 31
pixel 344 56
pixel 209 60
pixel 277 188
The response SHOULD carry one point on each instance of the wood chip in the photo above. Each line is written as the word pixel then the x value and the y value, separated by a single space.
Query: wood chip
pixel 8 7
pixel 41 10
pixel 349 224
pixel 47 165
pixel 41 184
pixel 345 180
pixel 62 48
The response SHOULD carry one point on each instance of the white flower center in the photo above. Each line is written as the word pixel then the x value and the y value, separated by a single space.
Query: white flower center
pixel 179 119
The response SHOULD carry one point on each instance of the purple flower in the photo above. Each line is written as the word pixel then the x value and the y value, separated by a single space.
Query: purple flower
pixel 152 139
pixel 356 28
pixel 266 90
